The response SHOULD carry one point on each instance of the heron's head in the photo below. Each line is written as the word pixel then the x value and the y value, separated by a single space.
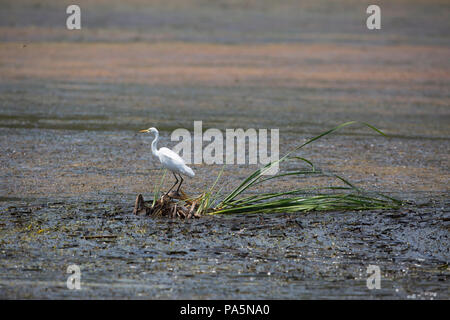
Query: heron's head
pixel 151 130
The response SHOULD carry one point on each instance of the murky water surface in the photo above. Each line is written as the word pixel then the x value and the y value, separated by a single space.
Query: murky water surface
pixel 72 161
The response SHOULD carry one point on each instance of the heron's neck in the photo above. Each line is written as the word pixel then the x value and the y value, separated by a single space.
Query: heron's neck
pixel 155 141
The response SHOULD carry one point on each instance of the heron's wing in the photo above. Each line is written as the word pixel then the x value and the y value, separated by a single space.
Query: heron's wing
pixel 174 162
pixel 173 156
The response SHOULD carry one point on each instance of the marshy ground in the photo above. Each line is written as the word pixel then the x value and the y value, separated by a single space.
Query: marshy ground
pixel 72 162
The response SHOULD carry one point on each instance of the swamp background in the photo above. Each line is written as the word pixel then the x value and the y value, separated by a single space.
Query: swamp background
pixel 72 162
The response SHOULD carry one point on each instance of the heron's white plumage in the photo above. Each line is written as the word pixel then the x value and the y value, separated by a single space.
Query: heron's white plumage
pixel 172 161
pixel 168 158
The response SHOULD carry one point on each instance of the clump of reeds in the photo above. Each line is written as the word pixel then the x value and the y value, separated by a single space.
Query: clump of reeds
pixel 345 197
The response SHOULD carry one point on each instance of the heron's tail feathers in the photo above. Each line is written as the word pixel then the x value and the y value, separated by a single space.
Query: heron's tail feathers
pixel 188 171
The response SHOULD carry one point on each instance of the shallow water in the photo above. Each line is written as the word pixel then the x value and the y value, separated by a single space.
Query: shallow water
pixel 72 161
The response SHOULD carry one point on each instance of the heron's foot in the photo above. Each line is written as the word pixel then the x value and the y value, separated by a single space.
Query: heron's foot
pixel 165 195
pixel 177 194
pixel 174 194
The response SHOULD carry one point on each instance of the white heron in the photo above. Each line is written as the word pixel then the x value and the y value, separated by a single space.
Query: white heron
pixel 170 160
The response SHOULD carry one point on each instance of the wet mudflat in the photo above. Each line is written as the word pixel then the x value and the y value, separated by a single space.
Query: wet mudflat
pixel 72 161
pixel 259 256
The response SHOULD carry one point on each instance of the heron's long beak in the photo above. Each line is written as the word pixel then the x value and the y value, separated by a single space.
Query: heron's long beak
pixel 145 130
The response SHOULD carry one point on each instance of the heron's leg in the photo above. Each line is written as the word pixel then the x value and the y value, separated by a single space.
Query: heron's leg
pixel 179 186
pixel 173 184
